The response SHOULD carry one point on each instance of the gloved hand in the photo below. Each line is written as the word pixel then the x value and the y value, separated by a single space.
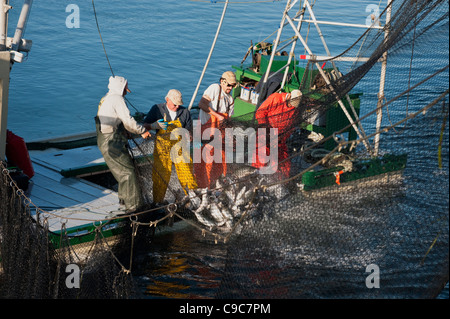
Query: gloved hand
pixel 160 124
pixel 146 135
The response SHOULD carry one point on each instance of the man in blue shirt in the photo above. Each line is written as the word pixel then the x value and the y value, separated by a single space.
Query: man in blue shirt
pixel 172 110
pixel 164 118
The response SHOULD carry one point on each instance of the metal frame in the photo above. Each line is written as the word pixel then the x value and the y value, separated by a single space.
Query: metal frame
pixel 7 58
pixel 314 59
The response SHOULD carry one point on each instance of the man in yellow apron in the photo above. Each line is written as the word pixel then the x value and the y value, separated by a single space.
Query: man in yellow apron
pixel 164 118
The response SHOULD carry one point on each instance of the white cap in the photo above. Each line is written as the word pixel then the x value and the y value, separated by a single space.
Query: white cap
pixel 230 77
pixel 175 97
pixel 295 98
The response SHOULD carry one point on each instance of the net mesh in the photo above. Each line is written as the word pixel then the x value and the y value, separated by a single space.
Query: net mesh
pixel 341 216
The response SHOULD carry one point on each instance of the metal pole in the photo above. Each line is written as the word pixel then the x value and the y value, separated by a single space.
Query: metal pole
pixel 275 43
pixel 5 65
pixel 345 24
pixel 382 81
pixel 209 55
pixel 291 53
pixel 5 58
pixel 327 81
pixel 4 8
pixel 21 24
pixel 313 17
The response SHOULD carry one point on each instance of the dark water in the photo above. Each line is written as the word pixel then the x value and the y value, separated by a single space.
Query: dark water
pixel 182 264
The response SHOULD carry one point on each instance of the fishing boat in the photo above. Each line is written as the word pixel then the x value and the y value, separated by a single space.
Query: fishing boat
pixel 273 68
pixel 72 192
pixel 70 172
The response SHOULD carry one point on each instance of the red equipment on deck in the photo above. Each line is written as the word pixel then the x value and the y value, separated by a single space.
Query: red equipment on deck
pixel 17 153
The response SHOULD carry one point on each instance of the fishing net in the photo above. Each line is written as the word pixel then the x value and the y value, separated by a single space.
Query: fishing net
pixel 344 215
pixel 37 263
pixel 351 210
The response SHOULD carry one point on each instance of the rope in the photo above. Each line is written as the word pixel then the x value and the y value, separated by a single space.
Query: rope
pixel 101 39
pixel 106 54
pixel 209 55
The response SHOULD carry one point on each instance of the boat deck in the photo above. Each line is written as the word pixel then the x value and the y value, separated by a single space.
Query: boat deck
pixel 70 200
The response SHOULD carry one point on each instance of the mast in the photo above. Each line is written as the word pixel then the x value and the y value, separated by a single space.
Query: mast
pixel 4 75
pixel 327 81
pixel 382 80
pixel 4 8
pixel 289 6
pixel 356 125
pixel 7 58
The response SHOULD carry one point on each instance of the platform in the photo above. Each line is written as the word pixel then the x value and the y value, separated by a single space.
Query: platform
pixel 72 201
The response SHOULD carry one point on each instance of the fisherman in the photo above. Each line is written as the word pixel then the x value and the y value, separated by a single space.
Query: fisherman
pixel 165 118
pixel 278 111
pixel 216 105
pixel 113 123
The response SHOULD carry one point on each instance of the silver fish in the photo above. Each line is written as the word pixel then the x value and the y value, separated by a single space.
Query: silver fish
pixel 225 211
pixel 240 199
pixel 245 171
pixel 204 221
pixel 249 195
pixel 220 184
pixel 194 199
pixel 216 214
pixel 205 202
pixel 230 191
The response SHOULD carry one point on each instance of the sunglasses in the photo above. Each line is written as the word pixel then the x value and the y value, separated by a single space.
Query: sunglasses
pixel 230 85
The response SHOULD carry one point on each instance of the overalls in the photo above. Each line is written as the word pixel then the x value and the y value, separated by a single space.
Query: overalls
pixel 275 113
pixel 113 147
pixel 208 171
pixel 162 167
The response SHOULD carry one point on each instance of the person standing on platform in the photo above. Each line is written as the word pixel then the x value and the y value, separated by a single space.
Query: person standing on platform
pixel 216 105
pixel 278 111
pixel 165 118
pixel 113 122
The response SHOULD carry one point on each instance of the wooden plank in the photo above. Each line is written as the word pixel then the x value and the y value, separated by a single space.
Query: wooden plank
pixel 78 183
pixel 72 201
pixel 62 189
pixel 75 189
pixel 60 209
pixel 65 159
pixel 57 200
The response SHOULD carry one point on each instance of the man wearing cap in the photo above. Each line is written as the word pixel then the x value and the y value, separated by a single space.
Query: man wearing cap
pixel 164 118
pixel 113 122
pixel 215 106
pixel 217 100
pixel 278 111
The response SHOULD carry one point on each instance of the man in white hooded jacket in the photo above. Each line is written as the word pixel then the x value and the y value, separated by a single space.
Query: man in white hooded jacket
pixel 113 121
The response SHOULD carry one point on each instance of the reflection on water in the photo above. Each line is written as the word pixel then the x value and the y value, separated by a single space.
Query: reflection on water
pixel 181 264
pixel 304 253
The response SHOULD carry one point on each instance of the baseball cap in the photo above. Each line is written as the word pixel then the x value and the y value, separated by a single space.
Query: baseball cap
pixel 296 96
pixel 229 77
pixel 175 97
